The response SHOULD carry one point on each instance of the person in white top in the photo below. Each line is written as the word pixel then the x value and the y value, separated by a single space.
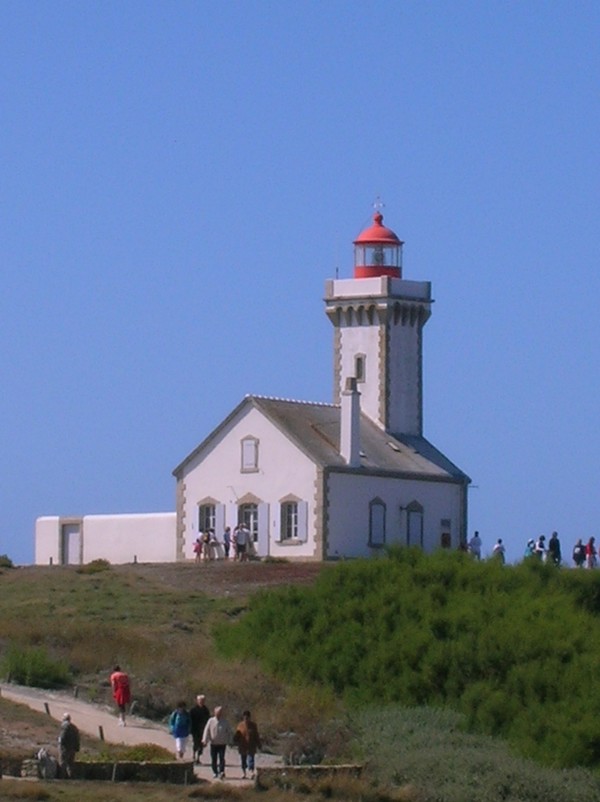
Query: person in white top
pixel 475 546
pixel 242 542
pixel 219 735
pixel 499 551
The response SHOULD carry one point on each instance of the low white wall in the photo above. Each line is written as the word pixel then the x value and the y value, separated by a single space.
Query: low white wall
pixel 147 538
pixel 47 540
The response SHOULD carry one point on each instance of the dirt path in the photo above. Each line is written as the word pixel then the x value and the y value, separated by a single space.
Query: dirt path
pixel 101 722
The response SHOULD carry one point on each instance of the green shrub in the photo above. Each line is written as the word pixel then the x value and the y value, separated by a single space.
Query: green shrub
pixel 5 561
pixel 508 646
pixel 94 567
pixel 34 667
pixel 429 749
pixel 140 753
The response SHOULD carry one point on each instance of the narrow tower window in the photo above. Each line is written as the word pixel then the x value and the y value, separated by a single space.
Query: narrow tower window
pixel 359 367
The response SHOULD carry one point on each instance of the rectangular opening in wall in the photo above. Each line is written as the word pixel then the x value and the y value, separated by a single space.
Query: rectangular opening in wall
pixel 70 536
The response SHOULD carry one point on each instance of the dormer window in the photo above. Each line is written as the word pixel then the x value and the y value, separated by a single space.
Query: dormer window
pixel 249 455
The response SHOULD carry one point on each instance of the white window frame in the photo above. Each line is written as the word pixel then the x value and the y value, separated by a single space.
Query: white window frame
pixel 249 455
pixel 207 517
pixel 248 514
pixel 289 521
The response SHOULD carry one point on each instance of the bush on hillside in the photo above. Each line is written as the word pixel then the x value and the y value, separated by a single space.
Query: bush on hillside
pixel 430 750
pixel 35 668
pixel 508 646
pixel 140 753
pixel 94 567
pixel 5 561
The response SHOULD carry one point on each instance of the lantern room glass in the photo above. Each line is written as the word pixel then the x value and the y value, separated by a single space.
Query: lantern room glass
pixel 378 256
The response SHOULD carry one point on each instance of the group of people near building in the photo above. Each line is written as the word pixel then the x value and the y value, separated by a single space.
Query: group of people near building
pixel 237 545
pixel 585 555
pixel 215 732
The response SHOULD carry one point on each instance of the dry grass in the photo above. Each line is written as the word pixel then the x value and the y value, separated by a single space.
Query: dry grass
pixel 156 621
pixel 15 791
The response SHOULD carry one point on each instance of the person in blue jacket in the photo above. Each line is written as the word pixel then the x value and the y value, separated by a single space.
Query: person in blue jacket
pixel 179 727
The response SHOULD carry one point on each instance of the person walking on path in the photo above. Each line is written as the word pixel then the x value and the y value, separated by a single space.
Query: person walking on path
pixel 218 734
pixel 179 727
pixel 68 746
pixel 199 715
pixel 247 740
pixel 121 690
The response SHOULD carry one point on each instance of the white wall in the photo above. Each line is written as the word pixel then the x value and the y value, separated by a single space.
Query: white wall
pixel 47 540
pixel 405 378
pixel 283 470
pixel 348 511
pixel 363 339
pixel 147 537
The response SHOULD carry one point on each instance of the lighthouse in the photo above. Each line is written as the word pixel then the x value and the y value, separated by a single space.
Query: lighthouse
pixel 378 318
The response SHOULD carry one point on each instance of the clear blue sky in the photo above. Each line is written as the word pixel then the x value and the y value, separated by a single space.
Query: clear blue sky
pixel 179 179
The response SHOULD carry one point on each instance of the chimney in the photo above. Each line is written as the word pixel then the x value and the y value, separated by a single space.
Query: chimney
pixel 350 424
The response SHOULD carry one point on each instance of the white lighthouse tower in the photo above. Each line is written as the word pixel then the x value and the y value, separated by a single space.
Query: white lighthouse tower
pixel 378 318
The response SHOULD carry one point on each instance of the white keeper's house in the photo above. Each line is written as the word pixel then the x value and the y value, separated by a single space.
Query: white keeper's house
pixel 313 481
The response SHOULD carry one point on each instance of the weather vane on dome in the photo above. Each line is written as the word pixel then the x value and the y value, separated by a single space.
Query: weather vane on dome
pixel 379 204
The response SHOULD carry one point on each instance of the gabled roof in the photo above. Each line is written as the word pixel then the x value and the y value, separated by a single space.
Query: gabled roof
pixel 315 429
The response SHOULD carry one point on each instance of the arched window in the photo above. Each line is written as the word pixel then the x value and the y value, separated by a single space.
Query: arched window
pixel 414 524
pixel 377 523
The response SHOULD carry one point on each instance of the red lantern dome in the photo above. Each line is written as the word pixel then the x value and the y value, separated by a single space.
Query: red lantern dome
pixel 377 251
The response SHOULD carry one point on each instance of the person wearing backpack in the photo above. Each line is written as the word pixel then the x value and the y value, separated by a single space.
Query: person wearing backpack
pixel 579 554
pixel 179 727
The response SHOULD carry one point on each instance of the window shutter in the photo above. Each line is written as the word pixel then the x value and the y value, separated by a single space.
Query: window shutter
pixel 219 520
pixel 303 520
pixel 263 528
